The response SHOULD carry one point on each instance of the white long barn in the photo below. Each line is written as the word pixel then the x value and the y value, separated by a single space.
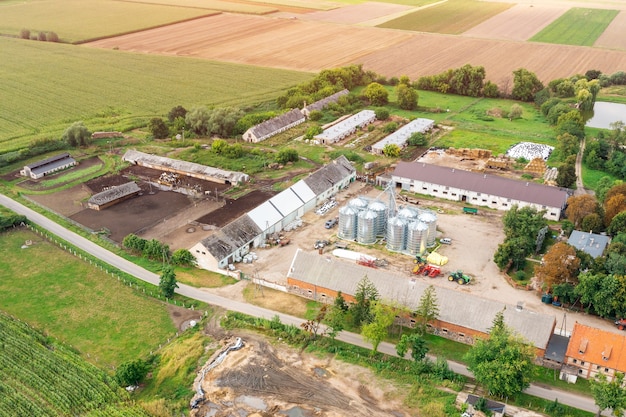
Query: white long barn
pixel 346 127
pixel 252 229
pixel 402 135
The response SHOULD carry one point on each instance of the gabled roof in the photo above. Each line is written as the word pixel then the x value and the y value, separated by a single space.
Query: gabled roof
pixel 303 191
pixel 231 237
pixel 265 215
pixel 483 183
pixel 114 193
pixel 268 127
pixel 590 243
pixel 329 175
pixel 320 104
pixel 597 346
pixel 338 130
pixel 48 160
pixel 455 307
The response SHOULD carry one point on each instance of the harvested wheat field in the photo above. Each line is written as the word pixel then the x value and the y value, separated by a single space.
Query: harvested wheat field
pixel 427 54
pixel 261 41
pixel 358 13
pixel 614 36
pixel 518 23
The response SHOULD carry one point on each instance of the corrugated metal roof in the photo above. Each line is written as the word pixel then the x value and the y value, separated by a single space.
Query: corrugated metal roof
pixel 329 175
pixel 52 165
pixel 591 243
pixel 337 131
pixel 455 307
pixel 114 193
pixel 231 237
pixel 320 104
pixel 265 215
pixel 271 126
pixel 164 163
pixel 49 160
pixel 286 202
pixel 483 183
pixel 400 136
pixel 303 191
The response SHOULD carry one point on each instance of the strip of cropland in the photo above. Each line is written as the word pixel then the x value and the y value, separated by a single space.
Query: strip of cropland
pixel 577 26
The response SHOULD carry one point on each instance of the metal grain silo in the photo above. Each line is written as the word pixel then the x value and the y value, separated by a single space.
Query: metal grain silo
pixel 366 227
pixel 396 234
pixel 408 213
pixel 379 208
pixel 430 218
pixel 416 237
pixel 358 203
pixel 347 223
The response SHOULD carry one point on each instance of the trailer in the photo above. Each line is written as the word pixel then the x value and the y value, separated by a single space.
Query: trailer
pixel 470 210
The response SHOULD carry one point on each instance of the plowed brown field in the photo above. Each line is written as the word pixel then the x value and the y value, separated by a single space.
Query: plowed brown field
pixel 614 36
pixel 313 46
pixel 357 13
pixel 517 23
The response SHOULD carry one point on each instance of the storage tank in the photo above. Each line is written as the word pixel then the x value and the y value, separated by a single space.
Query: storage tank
pixel 416 237
pixel 366 227
pixel 379 208
pixel 396 234
pixel 347 223
pixel 358 203
pixel 408 213
pixel 430 219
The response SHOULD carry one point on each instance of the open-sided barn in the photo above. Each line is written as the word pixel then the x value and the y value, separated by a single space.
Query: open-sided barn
pixel 113 195
pixel 191 169
pixel 48 166
pixel 462 317
pixel 252 229
pixel 479 189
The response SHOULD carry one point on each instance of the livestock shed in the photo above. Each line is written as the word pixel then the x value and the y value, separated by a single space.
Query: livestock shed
pixel 346 127
pixel 591 243
pixel 113 195
pixel 479 189
pixel 274 126
pixel 321 104
pixel 236 239
pixel 190 169
pixel 402 135
pixel 462 317
pixel 48 166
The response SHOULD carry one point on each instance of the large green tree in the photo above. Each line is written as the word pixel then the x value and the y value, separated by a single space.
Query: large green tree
pixel 609 394
pixel 375 331
pixel 365 294
pixel 525 85
pixel 198 120
pixel 521 227
pixel 77 135
pixel 427 309
pixel 503 363
pixel 407 97
pixel 131 372
pixel 413 342
pixel 158 128
pixel 376 94
pixel 167 282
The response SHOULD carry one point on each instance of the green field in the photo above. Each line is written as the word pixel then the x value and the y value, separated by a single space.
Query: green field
pixel 77 303
pixel 453 16
pixel 46 87
pixel 79 20
pixel 577 26
pixel 39 377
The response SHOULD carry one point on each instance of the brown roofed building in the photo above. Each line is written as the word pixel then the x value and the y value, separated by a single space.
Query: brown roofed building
pixel 479 189
pixel 594 351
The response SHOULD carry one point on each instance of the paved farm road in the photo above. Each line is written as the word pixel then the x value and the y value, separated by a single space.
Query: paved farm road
pixel 581 402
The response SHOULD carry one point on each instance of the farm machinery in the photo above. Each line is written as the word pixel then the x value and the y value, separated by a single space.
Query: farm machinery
pixel 427 270
pixel 459 277
pixel 621 324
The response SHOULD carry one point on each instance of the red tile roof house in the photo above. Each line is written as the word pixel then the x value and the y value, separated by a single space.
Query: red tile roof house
pixel 594 351
pixel 479 189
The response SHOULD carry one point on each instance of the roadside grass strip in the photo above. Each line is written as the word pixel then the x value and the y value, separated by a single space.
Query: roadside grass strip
pixel 451 17
pixel 577 26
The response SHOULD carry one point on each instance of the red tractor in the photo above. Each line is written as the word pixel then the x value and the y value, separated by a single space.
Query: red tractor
pixel 621 324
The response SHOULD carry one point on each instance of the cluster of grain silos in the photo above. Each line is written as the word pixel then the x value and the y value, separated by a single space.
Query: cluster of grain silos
pixel 410 230
pixel 363 220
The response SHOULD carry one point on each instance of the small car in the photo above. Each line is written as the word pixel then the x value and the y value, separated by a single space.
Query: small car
pixel 330 223
pixel 446 241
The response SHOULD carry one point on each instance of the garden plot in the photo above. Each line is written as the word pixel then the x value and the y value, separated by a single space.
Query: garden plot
pixel 530 151
pixel 518 23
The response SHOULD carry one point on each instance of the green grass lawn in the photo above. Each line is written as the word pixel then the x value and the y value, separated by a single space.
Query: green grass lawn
pixel 77 303
pixel 577 26
pixel 452 16
pixel 113 90
pixel 592 176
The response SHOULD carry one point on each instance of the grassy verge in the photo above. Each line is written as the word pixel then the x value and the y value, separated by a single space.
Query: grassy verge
pixel 577 26
pixel 592 176
pixel 202 278
pixel 56 291
pixel 452 16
